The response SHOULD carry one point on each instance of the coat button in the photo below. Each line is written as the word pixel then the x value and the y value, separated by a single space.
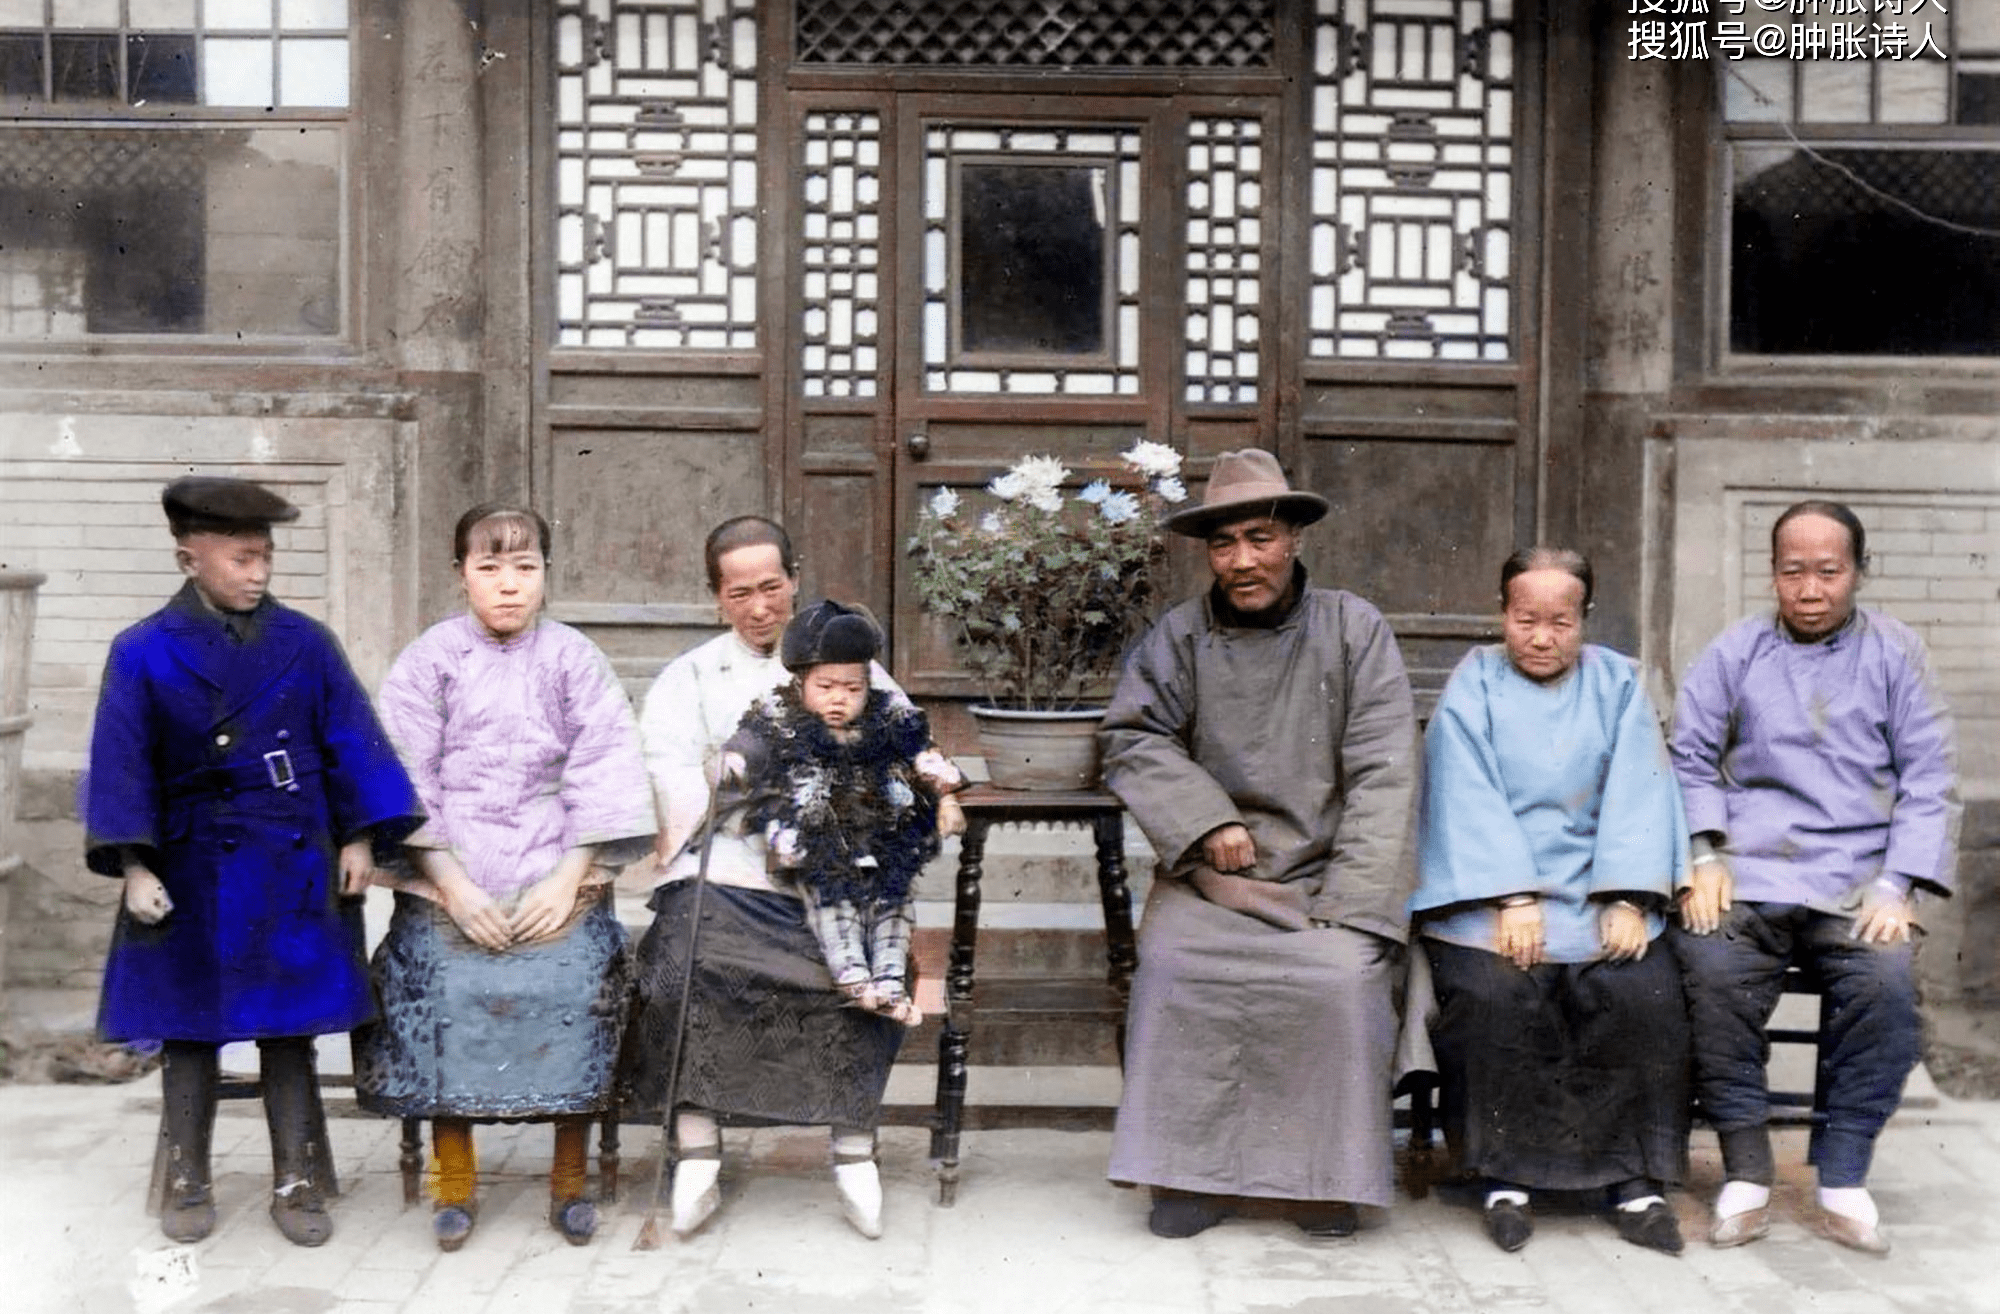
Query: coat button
pixel 283 735
pixel 298 839
pixel 222 740
pixel 229 845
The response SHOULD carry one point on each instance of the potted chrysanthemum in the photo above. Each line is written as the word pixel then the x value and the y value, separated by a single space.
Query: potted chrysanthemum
pixel 1045 587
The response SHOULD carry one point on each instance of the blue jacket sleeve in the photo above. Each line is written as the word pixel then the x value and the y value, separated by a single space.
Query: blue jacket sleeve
pixel 1471 846
pixel 121 790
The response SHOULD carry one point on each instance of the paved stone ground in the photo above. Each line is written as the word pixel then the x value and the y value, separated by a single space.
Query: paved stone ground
pixel 1036 1229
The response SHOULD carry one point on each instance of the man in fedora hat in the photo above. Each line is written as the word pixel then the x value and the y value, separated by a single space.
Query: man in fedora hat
pixel 1264 739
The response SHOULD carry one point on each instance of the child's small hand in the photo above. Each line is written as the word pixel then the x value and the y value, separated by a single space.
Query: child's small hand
pixel 146 897
pixel 950 817
pixel 357 867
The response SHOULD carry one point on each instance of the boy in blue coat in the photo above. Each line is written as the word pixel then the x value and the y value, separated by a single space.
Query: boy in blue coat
pixel 238 781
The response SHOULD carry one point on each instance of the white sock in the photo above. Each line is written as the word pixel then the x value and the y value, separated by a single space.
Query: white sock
pixel 853 1145
pixel 1512 1197
pixel 1740 1198
pixel 1849 1202
pixel 696 1132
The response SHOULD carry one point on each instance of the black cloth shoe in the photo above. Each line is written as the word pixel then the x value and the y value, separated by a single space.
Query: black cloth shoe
pixel 575 1219
pixel 1509 1224
pixel 1183 1214
pixel 300 1213
pixel 1653 1227
pixel 1327 1218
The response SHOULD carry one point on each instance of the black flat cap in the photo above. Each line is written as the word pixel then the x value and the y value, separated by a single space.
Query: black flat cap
pixel 829 632
pixel 218 504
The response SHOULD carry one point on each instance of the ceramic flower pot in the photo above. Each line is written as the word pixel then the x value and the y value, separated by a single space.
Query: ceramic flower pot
pixel 1044 751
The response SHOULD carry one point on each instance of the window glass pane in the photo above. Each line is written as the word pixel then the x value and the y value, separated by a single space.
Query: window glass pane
pixel 237 72
pixel 313 72
pixel 84 67
pixel 84 13
pixel 155 14
pixel 238 14
pixel 219 231
pixel 159 70
pixel 21 13
pixel 1031 258
pixel 21 67
pixel 312 15
pixel 1979 97
pixel 1853 253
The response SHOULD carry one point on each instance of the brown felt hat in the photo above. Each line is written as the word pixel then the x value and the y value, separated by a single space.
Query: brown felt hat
pixel 218 504
pixel 1245 484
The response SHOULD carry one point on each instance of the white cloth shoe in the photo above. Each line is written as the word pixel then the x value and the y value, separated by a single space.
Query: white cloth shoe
pixel 860 1196
pixel 697 1192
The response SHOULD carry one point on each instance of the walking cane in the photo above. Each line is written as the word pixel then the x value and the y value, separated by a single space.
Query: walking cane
pixel 649 1231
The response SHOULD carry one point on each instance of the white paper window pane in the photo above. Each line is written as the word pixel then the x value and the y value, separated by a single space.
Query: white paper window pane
pixel 1834 93
pixel 238 14
pixel 237 71
pixel 312 15
pixel 156 15
pixel 1913 91
pixel 314 72
pixel 82 13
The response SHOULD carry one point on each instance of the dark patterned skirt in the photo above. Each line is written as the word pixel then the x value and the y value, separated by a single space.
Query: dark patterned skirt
pixel 1565 1077
pixel 769 1039
pixel 468 1033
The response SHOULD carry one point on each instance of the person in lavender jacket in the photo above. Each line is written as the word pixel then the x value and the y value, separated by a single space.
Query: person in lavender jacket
pixel 504 979
pixel 1817 761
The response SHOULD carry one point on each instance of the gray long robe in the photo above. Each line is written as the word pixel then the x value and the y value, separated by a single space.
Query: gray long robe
pixel 1258 1059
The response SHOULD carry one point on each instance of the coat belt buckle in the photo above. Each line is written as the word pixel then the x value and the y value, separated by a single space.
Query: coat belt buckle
pixel 278 765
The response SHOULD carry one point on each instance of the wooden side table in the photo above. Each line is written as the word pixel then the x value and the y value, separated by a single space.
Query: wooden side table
pixel 985 807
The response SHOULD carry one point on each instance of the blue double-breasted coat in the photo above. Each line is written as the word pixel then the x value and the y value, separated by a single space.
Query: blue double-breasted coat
pixel 237 767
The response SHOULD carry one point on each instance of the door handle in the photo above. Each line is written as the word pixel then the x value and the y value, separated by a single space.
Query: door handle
pixel 918 445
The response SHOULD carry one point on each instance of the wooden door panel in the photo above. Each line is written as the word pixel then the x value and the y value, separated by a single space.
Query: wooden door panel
pixel 1419 528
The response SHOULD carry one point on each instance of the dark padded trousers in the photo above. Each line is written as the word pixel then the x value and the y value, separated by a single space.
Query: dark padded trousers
pixel 1872 1036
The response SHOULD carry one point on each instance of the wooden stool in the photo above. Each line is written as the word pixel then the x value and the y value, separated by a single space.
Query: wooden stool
pixel 985 807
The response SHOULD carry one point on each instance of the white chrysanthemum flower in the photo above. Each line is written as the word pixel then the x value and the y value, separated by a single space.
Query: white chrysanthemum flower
pixel 944 502
pixel 1044 499
pixel 1095 491
pixel 1117 508
pixel 899 794
pixel 1152 459
pixel 1008 486
pixel 992 525
pixel 1170 489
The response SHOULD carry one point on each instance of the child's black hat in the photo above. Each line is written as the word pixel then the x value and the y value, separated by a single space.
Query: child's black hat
pixel 217 504
pixel 828 632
